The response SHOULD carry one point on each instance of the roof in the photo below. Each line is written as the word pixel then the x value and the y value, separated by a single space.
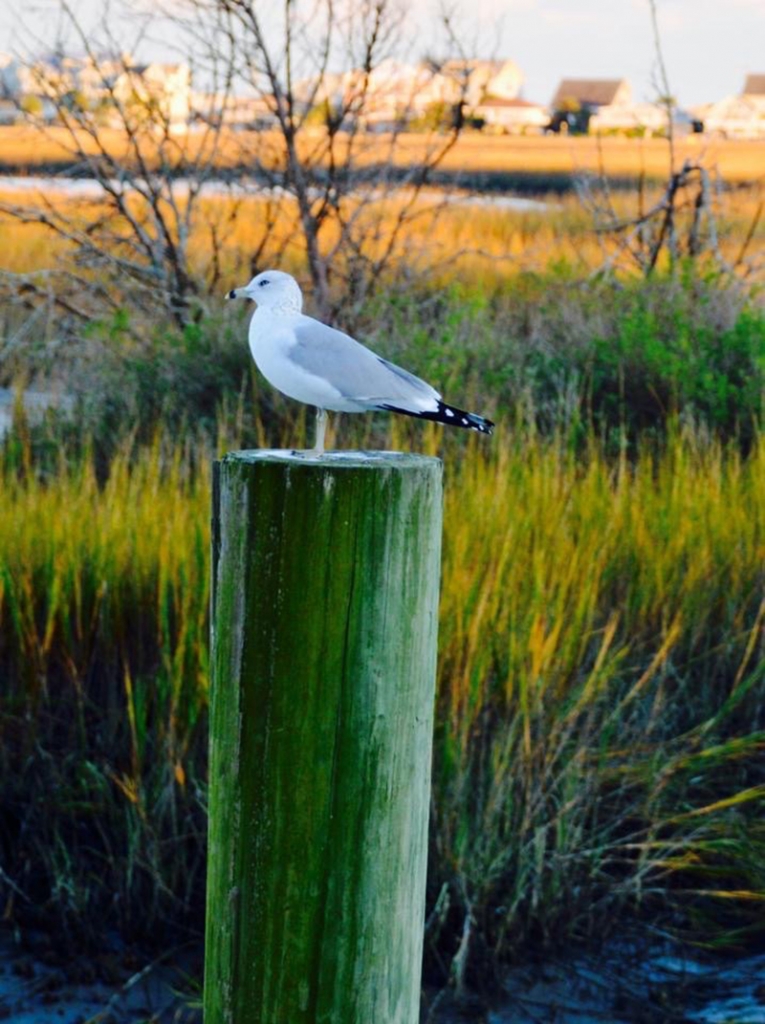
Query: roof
pixel 754 85
pixel 596 92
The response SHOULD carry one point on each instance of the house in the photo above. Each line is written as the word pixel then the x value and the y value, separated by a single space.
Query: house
pixel 238 112
pixel 591 93
pixel 90 83
pixel 736 117
pixel 639 118
pixel 165 88
pixel 577 99
pixel 507 83
pixel 739 117
pixel 754 85
pixel 512 116
pixel 395 92
pixel 379 98
pixel 468 82
pixel 23 90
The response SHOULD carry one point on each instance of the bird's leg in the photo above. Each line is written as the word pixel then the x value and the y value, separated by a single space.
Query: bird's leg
pixel 321 427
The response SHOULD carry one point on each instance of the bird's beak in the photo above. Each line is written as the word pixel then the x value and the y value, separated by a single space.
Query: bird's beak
pixel 237 293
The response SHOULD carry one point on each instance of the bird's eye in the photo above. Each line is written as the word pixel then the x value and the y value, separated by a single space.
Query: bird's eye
pixel 261 283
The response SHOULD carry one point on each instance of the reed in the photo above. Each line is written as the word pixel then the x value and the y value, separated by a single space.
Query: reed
pixel 475 152
pixel 599 730
pixel 474 241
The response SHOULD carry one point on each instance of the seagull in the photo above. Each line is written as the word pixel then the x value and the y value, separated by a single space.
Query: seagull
pixel 320 366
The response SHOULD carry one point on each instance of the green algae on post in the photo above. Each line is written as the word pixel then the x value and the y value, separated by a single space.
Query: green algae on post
pixel 325 582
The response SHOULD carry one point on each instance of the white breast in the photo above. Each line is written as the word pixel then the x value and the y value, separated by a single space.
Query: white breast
pixel 271 338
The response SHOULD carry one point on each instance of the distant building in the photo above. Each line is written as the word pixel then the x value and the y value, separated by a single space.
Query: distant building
pixel 754 85
pixel 513 116
pixel 471 81
pixel 593 93
pixel 644 118
pixel 96 84
pixel 244 112
pixel 576 100
pixel 735 117
pixel 395 93
pixel 738 117
pixel 378 99
pixel 164 88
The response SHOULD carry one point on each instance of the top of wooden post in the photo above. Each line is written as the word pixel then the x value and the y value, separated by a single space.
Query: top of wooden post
pixel 333 459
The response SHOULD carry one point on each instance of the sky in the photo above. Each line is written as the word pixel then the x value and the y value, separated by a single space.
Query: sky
pixel 709 45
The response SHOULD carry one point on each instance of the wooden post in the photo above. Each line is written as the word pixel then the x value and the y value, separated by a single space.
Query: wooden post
pixel 325 600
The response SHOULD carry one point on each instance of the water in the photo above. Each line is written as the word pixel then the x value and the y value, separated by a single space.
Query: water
pixel 111 987
pixel 622 987
pixel 630 987
pixel 35 403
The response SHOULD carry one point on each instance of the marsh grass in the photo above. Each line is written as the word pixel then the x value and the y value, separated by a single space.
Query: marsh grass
pixel 104 625
pixel 476 153
pixel 470 238
pixel 600 733
pixel 600 723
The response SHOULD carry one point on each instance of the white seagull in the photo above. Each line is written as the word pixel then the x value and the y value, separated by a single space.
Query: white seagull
pixel 317 365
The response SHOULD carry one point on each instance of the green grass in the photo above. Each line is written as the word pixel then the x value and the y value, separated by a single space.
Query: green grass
pixel 600 728
pixel 619 359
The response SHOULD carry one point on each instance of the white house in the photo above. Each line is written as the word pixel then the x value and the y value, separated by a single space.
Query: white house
pixel 166 87
pixel 739 117
pixel 512 116
pixel 252 112
pixel 470 82
pixel 395 92
pixel 95 82
pixel 650 118
pixel 736 117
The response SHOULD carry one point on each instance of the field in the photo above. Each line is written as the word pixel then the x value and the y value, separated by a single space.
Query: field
pixel 737 161
pixel 601 629
pixel 600 716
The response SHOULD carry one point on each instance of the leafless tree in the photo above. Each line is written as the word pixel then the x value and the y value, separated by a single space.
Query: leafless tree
pixel 682 222
pixel 330 189
pixel 129 241
pixel 342 160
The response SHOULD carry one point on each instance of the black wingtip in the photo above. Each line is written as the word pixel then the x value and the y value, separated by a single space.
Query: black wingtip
pixel 460 418
pixel 451 416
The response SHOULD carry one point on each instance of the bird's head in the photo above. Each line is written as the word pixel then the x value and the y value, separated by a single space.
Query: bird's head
pixel 273 289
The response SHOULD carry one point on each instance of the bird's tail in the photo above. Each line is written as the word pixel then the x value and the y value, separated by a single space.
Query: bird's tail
pixel 450 415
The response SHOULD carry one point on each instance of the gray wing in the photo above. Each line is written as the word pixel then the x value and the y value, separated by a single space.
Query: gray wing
pixel 356 372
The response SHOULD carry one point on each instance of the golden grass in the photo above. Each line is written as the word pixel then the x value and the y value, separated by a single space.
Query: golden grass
pixel 476 241
pixel 736 160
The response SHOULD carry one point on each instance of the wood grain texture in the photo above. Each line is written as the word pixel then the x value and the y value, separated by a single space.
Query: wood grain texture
pixel 325 598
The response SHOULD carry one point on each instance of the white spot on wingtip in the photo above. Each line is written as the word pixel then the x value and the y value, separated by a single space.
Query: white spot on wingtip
pixel 448 412
pixel 464 421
